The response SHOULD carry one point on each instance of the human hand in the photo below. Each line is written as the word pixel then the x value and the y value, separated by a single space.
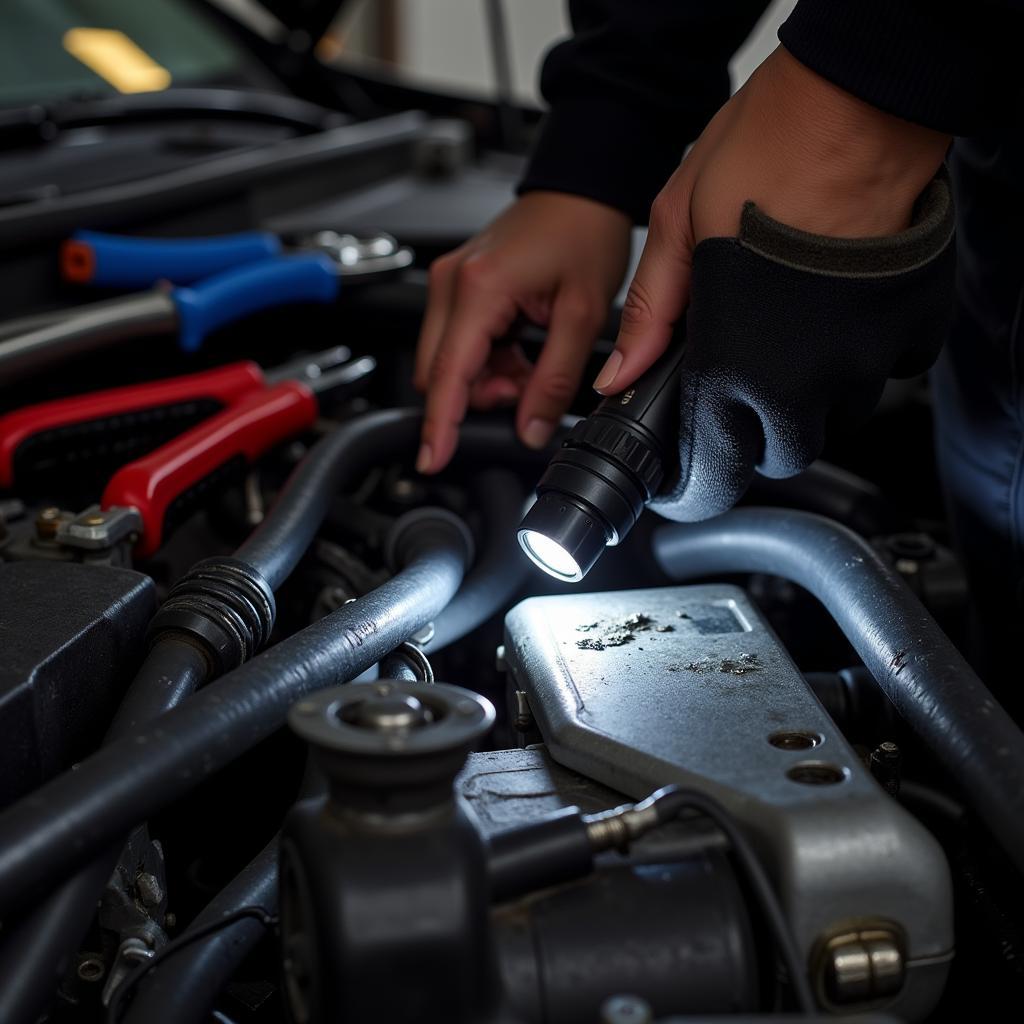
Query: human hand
pixel 807 242
pixel 555 258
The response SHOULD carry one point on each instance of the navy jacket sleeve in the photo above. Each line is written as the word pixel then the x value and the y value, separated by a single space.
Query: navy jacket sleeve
pixel 639 79
pixel 952 65
pixel 636 83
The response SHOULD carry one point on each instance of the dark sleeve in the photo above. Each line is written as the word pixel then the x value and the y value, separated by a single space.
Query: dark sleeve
pixel 940 63
pixel 636 83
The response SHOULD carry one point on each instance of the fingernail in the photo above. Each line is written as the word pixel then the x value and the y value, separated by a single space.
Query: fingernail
pixel 608 371
pixel 537 433
pixel 424 458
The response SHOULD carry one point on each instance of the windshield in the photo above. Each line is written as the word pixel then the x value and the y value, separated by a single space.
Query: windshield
pixel 64 49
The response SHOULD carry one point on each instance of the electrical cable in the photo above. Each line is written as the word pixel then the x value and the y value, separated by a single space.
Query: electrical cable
pixel 182 941
pixel 668 802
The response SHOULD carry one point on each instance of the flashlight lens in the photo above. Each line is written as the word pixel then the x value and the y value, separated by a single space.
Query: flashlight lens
pixel 550 556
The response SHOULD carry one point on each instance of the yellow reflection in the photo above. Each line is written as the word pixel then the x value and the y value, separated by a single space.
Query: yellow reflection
pixel 115 58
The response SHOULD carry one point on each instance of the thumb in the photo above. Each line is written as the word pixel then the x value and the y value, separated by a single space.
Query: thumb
pixel 657 295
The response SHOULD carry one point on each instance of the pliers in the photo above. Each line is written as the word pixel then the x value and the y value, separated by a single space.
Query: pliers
pixel 230 416
pixel 197 286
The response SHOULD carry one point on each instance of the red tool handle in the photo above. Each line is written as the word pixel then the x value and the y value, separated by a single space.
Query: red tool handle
pixel 169 484
pixel 103 429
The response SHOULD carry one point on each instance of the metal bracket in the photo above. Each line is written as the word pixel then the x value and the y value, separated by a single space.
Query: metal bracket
pixel 96 528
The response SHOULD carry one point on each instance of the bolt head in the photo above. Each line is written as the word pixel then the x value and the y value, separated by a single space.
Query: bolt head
pixel 395 713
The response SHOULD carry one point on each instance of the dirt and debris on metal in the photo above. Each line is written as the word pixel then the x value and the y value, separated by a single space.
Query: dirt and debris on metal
pixel 738 666
pixel 618 632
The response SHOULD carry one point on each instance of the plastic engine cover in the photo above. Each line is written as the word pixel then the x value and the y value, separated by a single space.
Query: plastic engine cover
pixel 689 685
pixel 71 635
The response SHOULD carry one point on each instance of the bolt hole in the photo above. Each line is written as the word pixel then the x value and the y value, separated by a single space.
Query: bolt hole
pixel 816 774
pixel 795 740
pixel 91 969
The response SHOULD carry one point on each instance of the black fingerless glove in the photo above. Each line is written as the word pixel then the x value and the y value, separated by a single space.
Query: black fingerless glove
pixel 787 331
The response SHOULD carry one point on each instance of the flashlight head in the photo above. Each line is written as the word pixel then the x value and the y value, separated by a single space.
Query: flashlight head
pixel 562 536
pixel 609 466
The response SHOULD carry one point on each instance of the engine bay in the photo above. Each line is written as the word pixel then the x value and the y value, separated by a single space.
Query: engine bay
pixel 291 732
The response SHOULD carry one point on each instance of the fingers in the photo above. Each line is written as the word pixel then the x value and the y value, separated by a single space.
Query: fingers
pixel 478 314
pixel 439 301
pixel 657 295
pixel 576 319
pixel 503 381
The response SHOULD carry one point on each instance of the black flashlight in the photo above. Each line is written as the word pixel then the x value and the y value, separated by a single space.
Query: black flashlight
pixel 609 466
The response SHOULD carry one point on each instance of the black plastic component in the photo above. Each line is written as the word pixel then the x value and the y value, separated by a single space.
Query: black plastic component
pixel 86 452
pixel 547 852
pixel 224 606
pixel 71 635
pixel 678 933
pixel 384 881
pixel 670 925
pixel 609 467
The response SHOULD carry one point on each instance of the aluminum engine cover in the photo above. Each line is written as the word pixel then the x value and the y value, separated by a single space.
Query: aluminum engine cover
pixel 689 685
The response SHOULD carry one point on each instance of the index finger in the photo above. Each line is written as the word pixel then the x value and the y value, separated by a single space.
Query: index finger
pixel 461 355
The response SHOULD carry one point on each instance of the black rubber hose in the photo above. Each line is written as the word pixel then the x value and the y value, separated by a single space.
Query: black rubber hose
pixel 35 951
pixel 912 660
pixel 182 987
pixel 339 459
pixel 501 569
pixel 173 670
pixel 34 954
pixel 73 817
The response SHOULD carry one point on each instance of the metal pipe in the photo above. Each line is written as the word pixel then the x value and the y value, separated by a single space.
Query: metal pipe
pixel 912 660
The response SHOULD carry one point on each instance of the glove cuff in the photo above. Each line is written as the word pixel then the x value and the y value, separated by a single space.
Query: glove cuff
pixel 930 232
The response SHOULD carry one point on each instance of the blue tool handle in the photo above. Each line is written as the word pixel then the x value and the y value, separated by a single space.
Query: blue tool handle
pixel 119 261
pixel 223 298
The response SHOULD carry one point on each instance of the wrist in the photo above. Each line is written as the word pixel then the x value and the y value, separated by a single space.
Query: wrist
pixel 850 151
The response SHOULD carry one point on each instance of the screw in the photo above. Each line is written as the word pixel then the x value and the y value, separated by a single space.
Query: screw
pixel 47 522
pixel 95 520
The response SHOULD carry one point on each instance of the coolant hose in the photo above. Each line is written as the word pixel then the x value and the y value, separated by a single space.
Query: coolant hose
pixel 182 988
pixel 500 571
pixel 68 820
pixel 339 459
pixel 912 660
